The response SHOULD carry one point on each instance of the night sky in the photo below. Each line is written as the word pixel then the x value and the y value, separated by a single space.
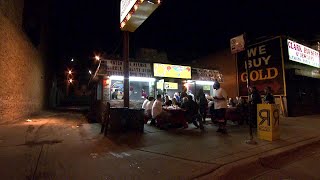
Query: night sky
pixel 185 29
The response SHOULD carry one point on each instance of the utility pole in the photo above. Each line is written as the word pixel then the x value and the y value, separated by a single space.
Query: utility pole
pixel 126 68
pixel 251 140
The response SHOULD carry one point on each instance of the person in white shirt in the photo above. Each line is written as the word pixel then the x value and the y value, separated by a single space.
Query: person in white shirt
pixel 148 108
pixel 145 103
pixel 156 109
pixel 220 105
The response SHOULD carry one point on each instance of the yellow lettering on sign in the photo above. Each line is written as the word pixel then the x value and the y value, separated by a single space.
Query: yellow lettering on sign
pixel 260 75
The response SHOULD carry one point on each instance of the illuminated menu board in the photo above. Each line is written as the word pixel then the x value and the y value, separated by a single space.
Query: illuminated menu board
pixel 171 71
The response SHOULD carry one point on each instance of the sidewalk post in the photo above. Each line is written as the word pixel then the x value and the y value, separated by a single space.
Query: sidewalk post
pixel 251 140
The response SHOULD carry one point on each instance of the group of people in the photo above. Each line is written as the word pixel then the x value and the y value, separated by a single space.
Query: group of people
pixel 195 107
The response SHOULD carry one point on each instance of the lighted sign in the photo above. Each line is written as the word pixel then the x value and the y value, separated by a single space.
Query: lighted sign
pixel 206 87
pixel 172 71
pixel 159 85
pixel 125 7
pixel 302 54
pixel 170 85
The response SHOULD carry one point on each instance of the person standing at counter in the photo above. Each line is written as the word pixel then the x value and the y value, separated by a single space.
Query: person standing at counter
pixel 220 101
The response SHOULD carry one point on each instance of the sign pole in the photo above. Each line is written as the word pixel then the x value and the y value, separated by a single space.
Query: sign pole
pixel 251 140
pixel 126 68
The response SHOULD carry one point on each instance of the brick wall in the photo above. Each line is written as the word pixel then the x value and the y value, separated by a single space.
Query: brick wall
pixel 225 62
pixel 21 68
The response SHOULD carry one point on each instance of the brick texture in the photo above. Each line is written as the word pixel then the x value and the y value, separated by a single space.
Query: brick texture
pixel 21 68
pixel 225 62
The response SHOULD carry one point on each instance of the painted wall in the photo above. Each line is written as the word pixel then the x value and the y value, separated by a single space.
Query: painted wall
pixel 225 62
pixel 21 67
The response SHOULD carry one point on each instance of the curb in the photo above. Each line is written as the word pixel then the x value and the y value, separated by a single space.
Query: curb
pixel 254 165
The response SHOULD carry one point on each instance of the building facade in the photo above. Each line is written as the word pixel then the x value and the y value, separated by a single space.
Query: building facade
pixel 22 68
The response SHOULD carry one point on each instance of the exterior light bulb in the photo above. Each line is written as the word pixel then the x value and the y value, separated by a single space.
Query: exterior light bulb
pixel 128 17
pixel 70 72
pixel 70 80
pixel 159 1
pixel 123 24
pixel 90 72
pixel 72 60
pixel 135 7
pixel 97 58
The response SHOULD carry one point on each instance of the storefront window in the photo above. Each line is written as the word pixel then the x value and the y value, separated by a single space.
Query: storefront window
pixel 138 90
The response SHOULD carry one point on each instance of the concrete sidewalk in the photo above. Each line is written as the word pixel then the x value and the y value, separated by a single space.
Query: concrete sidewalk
pixel 64 146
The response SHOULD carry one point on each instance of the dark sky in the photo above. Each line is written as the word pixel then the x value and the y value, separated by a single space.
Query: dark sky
pixel 186 29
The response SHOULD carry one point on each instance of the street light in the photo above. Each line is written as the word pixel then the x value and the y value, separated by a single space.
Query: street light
pixel 97 58
pixel 70 81
pixel 72 60
pixel 69 72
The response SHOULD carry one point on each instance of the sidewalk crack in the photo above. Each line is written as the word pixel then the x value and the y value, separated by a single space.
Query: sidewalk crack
pixel 35 170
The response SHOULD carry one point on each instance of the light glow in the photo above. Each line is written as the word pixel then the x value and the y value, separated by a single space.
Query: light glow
pixel 123 24
pixel 90 72
pixel 135 7
pixel 128 17
pixel 205 82
pixel 70 80
pixel 97 58
pixel 132 78
pixel 200 82
pixel 69 72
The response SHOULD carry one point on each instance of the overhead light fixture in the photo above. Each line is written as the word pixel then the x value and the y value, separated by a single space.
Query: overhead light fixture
pixel 132 78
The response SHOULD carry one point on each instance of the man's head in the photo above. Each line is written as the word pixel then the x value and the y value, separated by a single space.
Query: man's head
pixel 150 98
pixel 216 85
pixel 189 98
pixel 159 97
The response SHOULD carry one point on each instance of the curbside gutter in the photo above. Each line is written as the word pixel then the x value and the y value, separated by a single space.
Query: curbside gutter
pixel 257 164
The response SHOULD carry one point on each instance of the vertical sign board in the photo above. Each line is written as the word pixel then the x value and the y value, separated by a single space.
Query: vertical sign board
pixel 268 119
pixel 237 44
pixel 265 64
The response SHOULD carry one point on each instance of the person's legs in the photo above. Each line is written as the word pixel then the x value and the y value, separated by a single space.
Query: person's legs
pixel 220 114
pixel 203 113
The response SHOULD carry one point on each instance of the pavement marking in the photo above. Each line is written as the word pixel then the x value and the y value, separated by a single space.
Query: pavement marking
pixel 119 155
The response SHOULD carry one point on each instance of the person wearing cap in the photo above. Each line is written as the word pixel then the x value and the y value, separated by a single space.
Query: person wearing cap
pixel 220 105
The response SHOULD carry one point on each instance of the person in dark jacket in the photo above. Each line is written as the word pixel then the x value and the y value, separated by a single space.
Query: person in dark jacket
pixel 192 112
pixel 268 98
pixel 255 99
pixel 203 104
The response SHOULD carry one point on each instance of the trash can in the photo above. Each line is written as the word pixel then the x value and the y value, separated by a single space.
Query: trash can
pixel 118 120
pixel 135 120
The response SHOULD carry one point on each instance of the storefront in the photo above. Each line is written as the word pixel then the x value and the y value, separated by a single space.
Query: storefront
pixel 141 82
pixel 289 68
pixel 204 79
pixel 170 78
